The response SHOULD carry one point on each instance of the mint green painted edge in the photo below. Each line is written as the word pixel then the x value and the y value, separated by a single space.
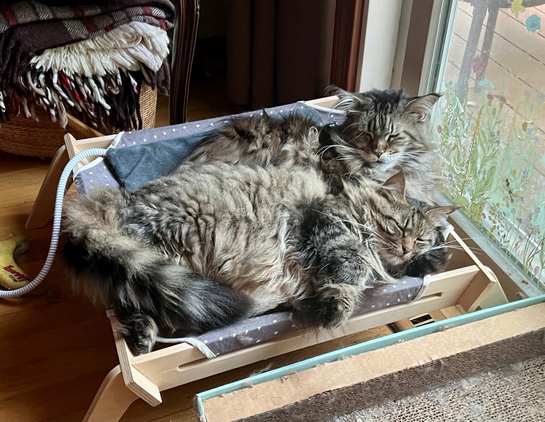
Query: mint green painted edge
pixel 363 347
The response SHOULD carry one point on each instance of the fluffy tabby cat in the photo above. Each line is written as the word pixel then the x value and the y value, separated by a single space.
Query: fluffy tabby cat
pixel 200 249
pixel 385 132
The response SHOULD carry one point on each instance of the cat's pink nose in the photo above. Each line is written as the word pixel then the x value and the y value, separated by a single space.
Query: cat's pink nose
pixel 378 153
pixel 407 250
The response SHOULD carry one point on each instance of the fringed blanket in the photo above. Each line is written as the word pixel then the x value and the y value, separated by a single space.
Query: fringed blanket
pixel 88 59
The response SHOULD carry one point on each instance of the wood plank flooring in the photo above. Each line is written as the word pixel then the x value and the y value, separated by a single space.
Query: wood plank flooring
pixel 55 348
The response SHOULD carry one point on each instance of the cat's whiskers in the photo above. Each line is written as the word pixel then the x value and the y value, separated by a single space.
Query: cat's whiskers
pixel 343 146
pixel 339 146
pixel 355 137
pixel 388 243
pixel 368 229
pixel 346 99
pixel 435 248
pixel 340 104
pixel 348 127
pixel 409 155
pixel 323 150
pixel 341 158
pixel 456 247
pixel 386 248
pixel 455 242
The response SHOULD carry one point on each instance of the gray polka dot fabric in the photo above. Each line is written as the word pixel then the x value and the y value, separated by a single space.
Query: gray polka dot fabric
pixel 99 172
pixel 262 328
pixel 266 327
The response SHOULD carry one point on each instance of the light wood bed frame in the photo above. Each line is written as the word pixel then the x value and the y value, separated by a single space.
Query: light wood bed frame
pixel 145 376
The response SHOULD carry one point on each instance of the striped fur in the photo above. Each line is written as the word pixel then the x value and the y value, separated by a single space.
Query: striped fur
pixel 214 243
pixel 385 132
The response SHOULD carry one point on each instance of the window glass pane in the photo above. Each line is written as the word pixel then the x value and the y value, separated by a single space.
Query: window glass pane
pixel 491 124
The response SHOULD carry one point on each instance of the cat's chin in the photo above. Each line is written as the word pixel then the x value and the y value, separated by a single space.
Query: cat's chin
pixel 396 261
pixel 386 162
pixel 387 158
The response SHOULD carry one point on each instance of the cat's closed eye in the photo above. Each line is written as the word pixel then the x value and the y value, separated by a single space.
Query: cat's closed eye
pixel 422 241
pixel 391 137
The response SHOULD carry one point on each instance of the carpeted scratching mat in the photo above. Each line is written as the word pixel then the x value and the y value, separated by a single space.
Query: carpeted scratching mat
pixel 514 392
pixel 491 369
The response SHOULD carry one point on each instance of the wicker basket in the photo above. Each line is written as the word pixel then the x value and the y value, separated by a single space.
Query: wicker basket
pixel 22 136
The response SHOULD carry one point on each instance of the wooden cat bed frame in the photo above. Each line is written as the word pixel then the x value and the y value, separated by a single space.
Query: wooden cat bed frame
pixel 464 285
pixel 147 375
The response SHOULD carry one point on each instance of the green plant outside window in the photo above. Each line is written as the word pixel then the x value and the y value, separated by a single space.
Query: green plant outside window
pixel 490 131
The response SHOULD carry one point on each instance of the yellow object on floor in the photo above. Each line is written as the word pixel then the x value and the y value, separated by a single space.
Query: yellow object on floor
pixel 11 275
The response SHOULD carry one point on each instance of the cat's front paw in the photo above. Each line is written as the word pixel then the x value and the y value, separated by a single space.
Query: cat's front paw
pixel 431 262
pixel 140 333
pixel 332 305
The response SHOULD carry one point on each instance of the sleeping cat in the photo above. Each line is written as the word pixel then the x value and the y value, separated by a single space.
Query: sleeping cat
pixel 384 132
pixel 202 248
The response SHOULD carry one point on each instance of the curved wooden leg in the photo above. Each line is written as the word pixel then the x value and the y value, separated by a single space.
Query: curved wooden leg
pixel 42 211
pixel 112 399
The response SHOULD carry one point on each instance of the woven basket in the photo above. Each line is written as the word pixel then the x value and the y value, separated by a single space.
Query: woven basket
pixel 22 136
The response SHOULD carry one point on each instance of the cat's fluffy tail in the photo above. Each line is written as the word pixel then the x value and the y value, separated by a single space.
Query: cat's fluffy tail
pixel 143 287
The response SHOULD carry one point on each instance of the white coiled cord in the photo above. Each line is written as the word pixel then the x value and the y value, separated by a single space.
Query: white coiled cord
pixel 61 188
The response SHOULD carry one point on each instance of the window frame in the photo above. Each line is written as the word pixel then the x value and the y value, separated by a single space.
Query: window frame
pixel 424 74
pixel 502 264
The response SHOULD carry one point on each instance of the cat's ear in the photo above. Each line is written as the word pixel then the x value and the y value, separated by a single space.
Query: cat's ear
pixel 349 100
pixel 394 186
pixel 333 90
pixel 421 106
pixel 440 213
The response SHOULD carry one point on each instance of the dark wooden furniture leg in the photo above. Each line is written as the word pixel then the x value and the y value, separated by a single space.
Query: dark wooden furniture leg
pixel 183 48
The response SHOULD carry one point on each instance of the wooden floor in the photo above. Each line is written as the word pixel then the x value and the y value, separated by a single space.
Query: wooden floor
pixel 55 349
